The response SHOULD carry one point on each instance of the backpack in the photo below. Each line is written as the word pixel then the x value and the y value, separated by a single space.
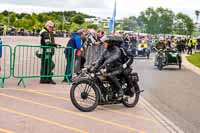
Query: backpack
pixel 124 55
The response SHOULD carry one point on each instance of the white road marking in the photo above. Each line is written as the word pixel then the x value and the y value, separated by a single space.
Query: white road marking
pixel 168 124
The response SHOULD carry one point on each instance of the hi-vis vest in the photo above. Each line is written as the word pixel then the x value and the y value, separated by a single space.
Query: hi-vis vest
pixel 192 42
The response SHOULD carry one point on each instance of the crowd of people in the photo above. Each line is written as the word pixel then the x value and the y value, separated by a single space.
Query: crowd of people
pixel 88 47
pixel 13 31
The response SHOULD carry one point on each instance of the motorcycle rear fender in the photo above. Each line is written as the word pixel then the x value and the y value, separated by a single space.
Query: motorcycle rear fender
pixel 135 77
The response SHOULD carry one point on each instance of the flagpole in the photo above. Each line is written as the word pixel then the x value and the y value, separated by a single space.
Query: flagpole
pixel 115 16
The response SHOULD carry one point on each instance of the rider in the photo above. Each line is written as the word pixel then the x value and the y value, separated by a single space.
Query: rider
pixel 159 46
pixel 110 59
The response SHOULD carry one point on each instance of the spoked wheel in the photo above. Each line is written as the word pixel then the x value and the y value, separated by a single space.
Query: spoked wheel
pixel 131 101
pixel 84 96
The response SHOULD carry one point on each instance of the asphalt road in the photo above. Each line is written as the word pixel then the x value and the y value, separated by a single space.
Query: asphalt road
pixel 175 93
pixel 48 108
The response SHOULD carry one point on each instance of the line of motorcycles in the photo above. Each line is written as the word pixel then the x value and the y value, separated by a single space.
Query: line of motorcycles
pixel 169 56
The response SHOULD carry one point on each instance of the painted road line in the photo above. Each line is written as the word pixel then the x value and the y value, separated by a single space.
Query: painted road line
pixel 169 125
pixel 5 131
pixel 111 110
pixel 42 120
pixel 75 113
pixel 44 91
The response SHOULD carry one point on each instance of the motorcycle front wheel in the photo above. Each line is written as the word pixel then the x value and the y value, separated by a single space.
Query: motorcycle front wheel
pixel 84 95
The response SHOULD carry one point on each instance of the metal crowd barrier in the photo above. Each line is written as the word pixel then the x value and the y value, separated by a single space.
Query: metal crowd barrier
pixel 5 63
pixel 93 53
pixel 28 61
pixel 38 62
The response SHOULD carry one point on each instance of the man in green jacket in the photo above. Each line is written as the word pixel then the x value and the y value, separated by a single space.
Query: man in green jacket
pixel 47 64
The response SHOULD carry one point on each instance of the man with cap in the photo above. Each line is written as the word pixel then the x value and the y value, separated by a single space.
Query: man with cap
pixel 160 45
pixel 47 64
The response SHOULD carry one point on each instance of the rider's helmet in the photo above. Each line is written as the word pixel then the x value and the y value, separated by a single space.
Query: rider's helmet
pixel 112 40
pixel 161 39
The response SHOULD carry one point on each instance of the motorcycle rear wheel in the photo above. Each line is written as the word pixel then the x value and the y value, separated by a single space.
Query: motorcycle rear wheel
pixel 133 99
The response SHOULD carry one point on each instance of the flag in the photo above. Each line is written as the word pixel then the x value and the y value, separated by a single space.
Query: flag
pixel 112 21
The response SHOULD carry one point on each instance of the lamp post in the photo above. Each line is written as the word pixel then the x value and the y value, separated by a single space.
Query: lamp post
pixel 8 19
pixel 197 13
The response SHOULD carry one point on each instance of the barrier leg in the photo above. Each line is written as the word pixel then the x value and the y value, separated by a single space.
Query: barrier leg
pixel 21 81
pixel 2 83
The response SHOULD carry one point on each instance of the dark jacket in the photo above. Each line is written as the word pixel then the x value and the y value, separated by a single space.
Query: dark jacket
pixel 47 39
pixel 160 45
pixel 111 57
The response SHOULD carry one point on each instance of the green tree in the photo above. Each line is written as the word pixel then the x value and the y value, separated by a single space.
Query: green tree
pixel 5 13
pixel 42 17
pixel 1 18
pixel 78 19
pixel 183 24
pixel 158 20
pixel 130 24
pixel 89 25
pixel 12 18
pixel 74 27
pixel 21 15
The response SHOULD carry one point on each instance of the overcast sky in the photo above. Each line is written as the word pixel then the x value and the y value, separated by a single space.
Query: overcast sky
pixel 100 8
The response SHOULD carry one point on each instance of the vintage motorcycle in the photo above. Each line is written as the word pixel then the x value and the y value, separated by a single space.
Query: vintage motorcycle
pixel 168 57
pixel 141 51
pixel 92 89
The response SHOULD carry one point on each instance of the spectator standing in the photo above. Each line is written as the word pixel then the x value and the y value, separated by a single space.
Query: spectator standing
pixel 74 43
pixel 47 64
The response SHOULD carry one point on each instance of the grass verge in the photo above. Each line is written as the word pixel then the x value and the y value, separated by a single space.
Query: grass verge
pixel 194 59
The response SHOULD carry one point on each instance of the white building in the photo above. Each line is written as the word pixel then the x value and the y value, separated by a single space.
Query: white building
pixel 98 21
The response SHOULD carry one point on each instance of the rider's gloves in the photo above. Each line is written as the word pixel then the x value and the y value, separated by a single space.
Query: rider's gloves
pixel 124 66
pixel 93 69
pixel 103 70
